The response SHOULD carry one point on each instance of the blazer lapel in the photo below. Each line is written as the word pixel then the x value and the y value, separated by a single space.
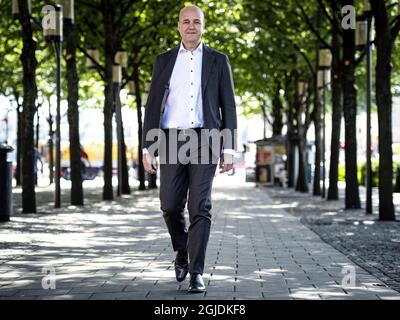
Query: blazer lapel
pixel 206 68
pixel 167 72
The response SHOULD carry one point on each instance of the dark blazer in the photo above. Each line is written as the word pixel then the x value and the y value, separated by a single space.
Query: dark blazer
pixel 219 109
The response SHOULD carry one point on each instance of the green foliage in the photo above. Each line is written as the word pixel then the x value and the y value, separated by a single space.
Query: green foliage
pixel 375 174
pixel 265 41
pixel 361 170
pixel 341 172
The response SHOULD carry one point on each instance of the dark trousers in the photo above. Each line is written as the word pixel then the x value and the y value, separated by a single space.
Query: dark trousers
pixel 190 183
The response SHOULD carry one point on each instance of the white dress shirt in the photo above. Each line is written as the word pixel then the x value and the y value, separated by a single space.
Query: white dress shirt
pixel 184 106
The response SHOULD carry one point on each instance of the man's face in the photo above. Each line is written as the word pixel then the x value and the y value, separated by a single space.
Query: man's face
pixel 191 25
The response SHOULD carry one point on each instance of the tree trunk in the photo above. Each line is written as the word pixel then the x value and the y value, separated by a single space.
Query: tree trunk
pixel 333 192
pixel 19 145
pixel 277 108
pixel 291 147
pixel 37 128
pixel 73 114
pixel 384 45
pixel 302 184
pixel 141 174
pixel 107 165
pixel 317 118
pixel 291 135
pixel 125 173
pixel 29 64
pixel 109 53
pixel 265 119
pixel 352 200
pixel 318 139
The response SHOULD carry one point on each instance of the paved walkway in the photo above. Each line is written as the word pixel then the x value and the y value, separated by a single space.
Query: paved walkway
pixel 372 244
pixel 121 250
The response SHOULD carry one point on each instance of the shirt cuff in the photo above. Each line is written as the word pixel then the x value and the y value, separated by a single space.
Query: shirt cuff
pixel 229 151
pixel 145 151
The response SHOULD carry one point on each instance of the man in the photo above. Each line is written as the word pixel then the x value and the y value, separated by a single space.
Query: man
pixel 191 91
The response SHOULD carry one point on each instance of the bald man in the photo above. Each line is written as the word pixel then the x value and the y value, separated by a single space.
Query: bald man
pixel 191 95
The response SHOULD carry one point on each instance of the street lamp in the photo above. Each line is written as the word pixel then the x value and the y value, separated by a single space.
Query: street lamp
pixel 53 32
pixel 324 58
pixel 68 9
pixel 324 64
pixel 121 58
pixel 117 79
pixel 95 55
pixel 15 8
pixel 361 33
pixel 364 42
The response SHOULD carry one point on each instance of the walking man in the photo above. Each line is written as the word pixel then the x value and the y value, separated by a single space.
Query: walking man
pixel 191 92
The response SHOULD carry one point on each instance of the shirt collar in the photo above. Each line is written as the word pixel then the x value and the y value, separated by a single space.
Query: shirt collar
pixel 199 48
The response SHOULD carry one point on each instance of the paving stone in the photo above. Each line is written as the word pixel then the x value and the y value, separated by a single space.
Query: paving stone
pixel 365 240
pixel 253 253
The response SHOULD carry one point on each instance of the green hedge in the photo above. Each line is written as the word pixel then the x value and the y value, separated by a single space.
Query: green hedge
pixel 375 174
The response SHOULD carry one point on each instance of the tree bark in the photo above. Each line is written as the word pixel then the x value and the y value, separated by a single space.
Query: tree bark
pixel 109 53
pixel 384 45
pixel 317 129
pixel 141 174
pixel 29 64
pixel 291 147
pixel 37 127
pixel 125 172
pixel 352 198
pixel 19 145
pixel 333 192
pixel 301 184
pixel 277 108
pixel 317 119
pixel 265 119
pixel 73 114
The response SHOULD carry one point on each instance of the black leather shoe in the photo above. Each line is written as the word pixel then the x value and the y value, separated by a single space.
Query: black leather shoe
pixel 181 265
pixel 196 284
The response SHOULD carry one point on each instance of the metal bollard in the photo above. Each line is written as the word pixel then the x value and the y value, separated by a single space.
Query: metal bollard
pixel 6 206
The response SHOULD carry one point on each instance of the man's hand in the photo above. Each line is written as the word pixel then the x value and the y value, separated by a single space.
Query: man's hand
pixel 226 162
pixel 150 164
